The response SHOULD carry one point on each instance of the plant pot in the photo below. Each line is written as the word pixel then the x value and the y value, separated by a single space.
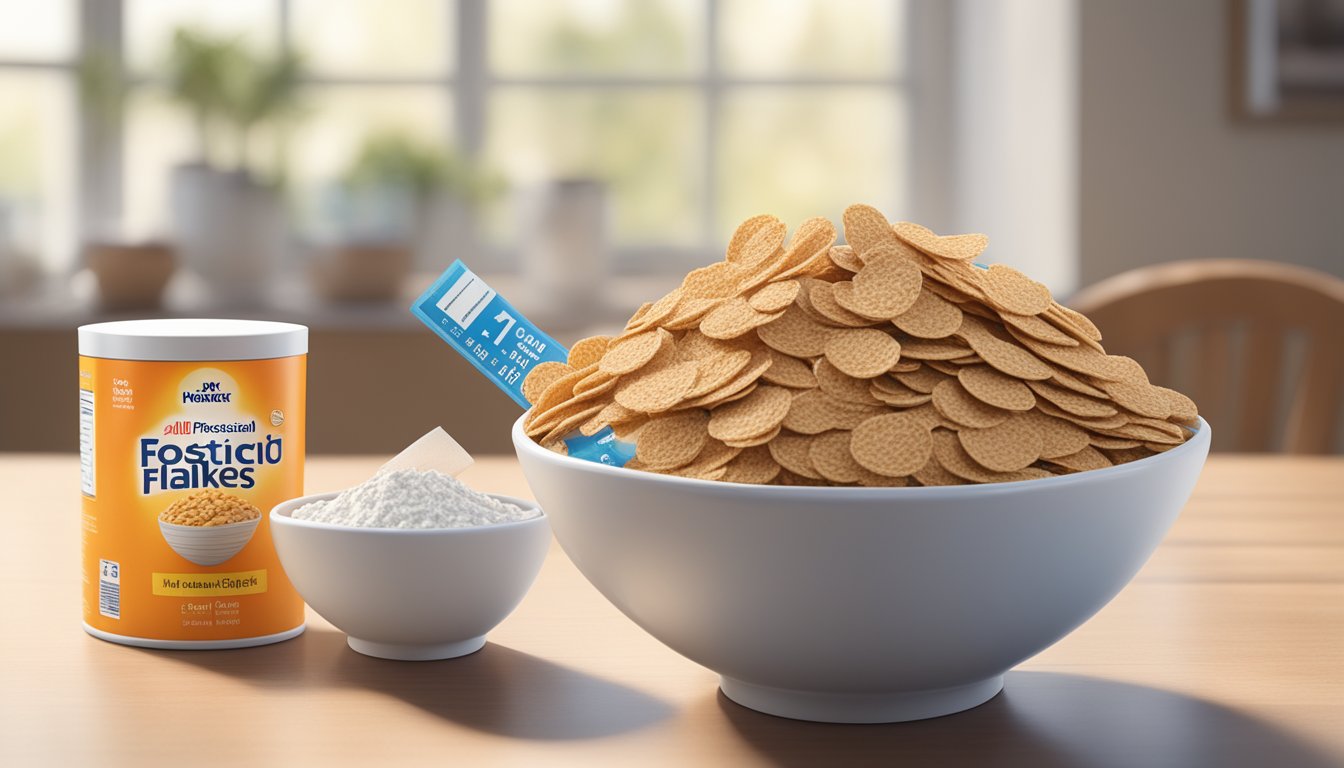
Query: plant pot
pixel 361 271
pixel 130 276
pixel 229 228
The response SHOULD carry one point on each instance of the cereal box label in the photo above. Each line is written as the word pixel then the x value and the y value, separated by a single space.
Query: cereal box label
pixel 181 462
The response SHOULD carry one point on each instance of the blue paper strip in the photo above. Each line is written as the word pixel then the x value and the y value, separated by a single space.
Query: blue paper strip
pixel 486 329
pixel 602 447
pixel 502 344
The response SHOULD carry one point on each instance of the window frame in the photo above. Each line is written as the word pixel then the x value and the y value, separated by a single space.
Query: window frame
pixel 923 82
pixel 713 84
pixel 86 174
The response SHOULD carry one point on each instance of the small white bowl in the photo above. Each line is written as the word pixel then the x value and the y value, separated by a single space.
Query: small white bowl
pixel 411 594
pixel 209 544
pixel 860 605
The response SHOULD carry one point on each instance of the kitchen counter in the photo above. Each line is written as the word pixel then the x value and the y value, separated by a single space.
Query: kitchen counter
pixel 1227 650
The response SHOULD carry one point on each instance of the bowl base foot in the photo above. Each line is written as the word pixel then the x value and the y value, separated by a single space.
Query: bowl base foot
pixel 891 707
pixel 426 652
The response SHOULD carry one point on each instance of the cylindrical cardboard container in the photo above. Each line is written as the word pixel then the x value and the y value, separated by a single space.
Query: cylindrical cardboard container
pixel 190 430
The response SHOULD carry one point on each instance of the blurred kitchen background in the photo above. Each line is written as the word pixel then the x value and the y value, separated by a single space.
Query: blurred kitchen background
pixel 321 161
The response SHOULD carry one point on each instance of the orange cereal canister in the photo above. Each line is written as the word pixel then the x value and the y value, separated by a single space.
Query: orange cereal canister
pixel 190 431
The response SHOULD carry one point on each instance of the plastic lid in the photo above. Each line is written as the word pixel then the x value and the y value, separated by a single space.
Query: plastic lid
pixel 193 339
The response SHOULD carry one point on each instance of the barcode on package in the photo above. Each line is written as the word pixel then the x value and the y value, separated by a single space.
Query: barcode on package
pixel 109 588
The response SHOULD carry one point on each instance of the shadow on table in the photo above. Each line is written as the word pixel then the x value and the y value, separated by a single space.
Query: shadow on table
pixel 497 689
pixel 1042 719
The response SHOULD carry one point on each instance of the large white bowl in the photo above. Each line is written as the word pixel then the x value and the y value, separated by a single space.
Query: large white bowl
pixel 209 544
pixel 411 594
pixel 860 604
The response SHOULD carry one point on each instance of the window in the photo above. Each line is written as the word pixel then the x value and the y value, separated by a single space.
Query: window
pixel 696 113
pixel 38 178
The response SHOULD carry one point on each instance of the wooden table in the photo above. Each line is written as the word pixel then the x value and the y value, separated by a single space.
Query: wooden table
pixel 1228 649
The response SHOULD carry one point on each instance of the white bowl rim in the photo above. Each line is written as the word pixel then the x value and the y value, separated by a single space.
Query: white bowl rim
pixel 1202 437
pixel 282 517
pixel 254 521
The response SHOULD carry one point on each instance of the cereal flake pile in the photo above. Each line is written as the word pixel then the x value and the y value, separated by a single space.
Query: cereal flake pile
pixel 209 508
pixel 889 361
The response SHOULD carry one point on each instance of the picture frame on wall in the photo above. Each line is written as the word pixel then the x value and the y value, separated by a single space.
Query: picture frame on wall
pixel 1287 60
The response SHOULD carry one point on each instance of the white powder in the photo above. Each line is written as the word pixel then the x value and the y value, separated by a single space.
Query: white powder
pixel 409 498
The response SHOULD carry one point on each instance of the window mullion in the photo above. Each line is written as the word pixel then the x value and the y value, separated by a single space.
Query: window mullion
pixel 900 63
pixel 469 97
pixel 713 96
pixel 283 18
pixel 99 148
pixel 930 82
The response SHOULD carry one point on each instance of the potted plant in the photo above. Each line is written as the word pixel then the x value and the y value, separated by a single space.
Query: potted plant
pixel 227 215
pixel 396 204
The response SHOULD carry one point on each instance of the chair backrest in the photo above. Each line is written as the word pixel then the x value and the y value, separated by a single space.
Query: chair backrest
pixel 1258 345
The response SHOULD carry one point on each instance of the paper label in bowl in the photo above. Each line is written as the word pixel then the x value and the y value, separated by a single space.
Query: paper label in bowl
pixel 602 447
pixel 504 346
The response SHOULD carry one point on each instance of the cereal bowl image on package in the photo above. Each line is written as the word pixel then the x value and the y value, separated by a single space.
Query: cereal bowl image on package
pixel 209 527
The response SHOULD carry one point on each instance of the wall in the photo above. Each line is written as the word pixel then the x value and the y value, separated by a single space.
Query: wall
pixel 1015 157
pixel 369 391
pixel 1165 173
pixel 993 135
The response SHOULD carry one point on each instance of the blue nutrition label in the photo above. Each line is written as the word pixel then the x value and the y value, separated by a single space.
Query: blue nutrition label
pixel 486 329
pixel 502 344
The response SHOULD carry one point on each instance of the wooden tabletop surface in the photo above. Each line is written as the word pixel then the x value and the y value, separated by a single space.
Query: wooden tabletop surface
pixel 1227 650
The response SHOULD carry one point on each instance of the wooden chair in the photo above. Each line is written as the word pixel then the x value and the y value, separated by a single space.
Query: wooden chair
pixel 1258 345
